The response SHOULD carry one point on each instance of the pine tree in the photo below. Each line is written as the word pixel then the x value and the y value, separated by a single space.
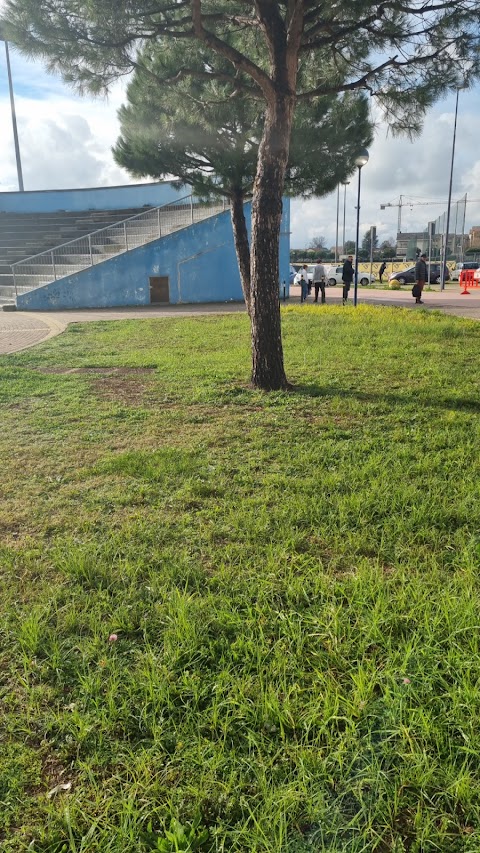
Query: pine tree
pixel 366 242
pixel 405 53
pixel 206 133
pixel 388 248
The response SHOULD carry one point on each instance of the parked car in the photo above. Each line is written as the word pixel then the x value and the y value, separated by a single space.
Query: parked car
pixel 469 265
pixel 334 276
pixel 293 273
pixel 408 276
pixel 310 270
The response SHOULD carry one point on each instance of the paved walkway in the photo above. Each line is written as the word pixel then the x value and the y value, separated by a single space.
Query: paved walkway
pixel 20 330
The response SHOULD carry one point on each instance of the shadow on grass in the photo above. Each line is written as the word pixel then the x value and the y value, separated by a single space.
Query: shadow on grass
pixel 426 400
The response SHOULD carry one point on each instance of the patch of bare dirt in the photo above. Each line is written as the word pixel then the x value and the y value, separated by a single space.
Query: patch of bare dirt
pixel 127 385
pixel 103 370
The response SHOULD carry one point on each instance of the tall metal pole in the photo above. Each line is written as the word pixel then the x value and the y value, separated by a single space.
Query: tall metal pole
pixel 345 185
pixel 463 227
pixel 455 232
pixel 336 232
pixel 357 246
pixel 445 244
pixel 372 237
pixel 360 161
pixel 14 121
pixel 430 234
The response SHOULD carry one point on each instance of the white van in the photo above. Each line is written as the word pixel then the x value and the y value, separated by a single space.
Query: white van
pixel 468 265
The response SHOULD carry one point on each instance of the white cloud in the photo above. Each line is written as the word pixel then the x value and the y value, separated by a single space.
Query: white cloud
pixel 63 143
pixel 419 170
pixel 66 141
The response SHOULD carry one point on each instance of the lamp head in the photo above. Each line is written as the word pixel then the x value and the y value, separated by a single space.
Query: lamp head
pixel 362 158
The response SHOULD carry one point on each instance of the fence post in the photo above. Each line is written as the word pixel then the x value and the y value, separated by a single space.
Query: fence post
pixel 125 236
pixel 191 208
pixel 90 249
pixel 159 226
pixel 53 266
pixel 14 280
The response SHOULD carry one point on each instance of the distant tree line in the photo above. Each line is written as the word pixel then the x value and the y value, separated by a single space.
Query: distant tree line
pixel 317 248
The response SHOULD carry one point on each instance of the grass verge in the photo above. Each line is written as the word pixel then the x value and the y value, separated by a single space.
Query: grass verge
pixel 236 621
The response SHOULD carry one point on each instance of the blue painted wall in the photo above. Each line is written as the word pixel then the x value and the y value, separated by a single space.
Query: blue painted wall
pixel 284 254
pixel 200 262
pixel 96 198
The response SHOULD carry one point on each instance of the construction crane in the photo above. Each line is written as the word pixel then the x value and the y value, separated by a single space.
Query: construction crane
pixel 402 203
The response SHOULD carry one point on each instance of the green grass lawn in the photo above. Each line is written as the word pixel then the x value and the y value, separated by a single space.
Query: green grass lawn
pixel 292 580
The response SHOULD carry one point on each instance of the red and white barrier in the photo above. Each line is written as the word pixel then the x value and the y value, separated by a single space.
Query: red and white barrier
pixel 468 278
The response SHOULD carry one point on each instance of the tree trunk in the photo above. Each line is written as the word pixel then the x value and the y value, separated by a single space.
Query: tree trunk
pixel 242 246
pixel 268 370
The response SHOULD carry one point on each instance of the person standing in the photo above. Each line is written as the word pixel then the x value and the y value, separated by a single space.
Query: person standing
pixel 381 271
pixel 303 283
pixel 319 280
pixel 347 277
pixel 420 277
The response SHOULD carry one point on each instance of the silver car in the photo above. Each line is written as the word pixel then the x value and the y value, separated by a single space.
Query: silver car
pixel 334 276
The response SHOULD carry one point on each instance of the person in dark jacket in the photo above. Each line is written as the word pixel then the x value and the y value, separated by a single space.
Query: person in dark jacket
pixel 381 271
pixel 420 277
pixel 347 277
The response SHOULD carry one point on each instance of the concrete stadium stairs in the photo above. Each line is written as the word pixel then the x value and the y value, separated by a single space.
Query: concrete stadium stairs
pixel 26 234
pixel 36 249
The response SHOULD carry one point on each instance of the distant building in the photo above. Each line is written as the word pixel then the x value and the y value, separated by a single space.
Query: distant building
pixel 409 241
pixel 474 237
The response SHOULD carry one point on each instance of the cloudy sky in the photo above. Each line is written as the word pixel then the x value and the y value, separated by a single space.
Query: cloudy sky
pixel 65 142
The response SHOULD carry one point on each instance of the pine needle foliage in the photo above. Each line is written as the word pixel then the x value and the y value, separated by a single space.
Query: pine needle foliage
pixel 403 53
pixel 206 131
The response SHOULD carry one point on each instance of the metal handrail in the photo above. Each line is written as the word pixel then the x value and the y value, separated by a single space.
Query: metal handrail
pixel 91 246
pixel 99 230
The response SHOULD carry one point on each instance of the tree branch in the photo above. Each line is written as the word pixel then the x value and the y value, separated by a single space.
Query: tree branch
pixel 338 32
pixel 239 60
pixel 184 73
pixel 362 82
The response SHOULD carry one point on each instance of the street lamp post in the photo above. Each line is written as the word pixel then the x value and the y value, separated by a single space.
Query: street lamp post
pixel 447 226
pixel 345 185
pixel 14 119
pixel 336 232
pixel 360 161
